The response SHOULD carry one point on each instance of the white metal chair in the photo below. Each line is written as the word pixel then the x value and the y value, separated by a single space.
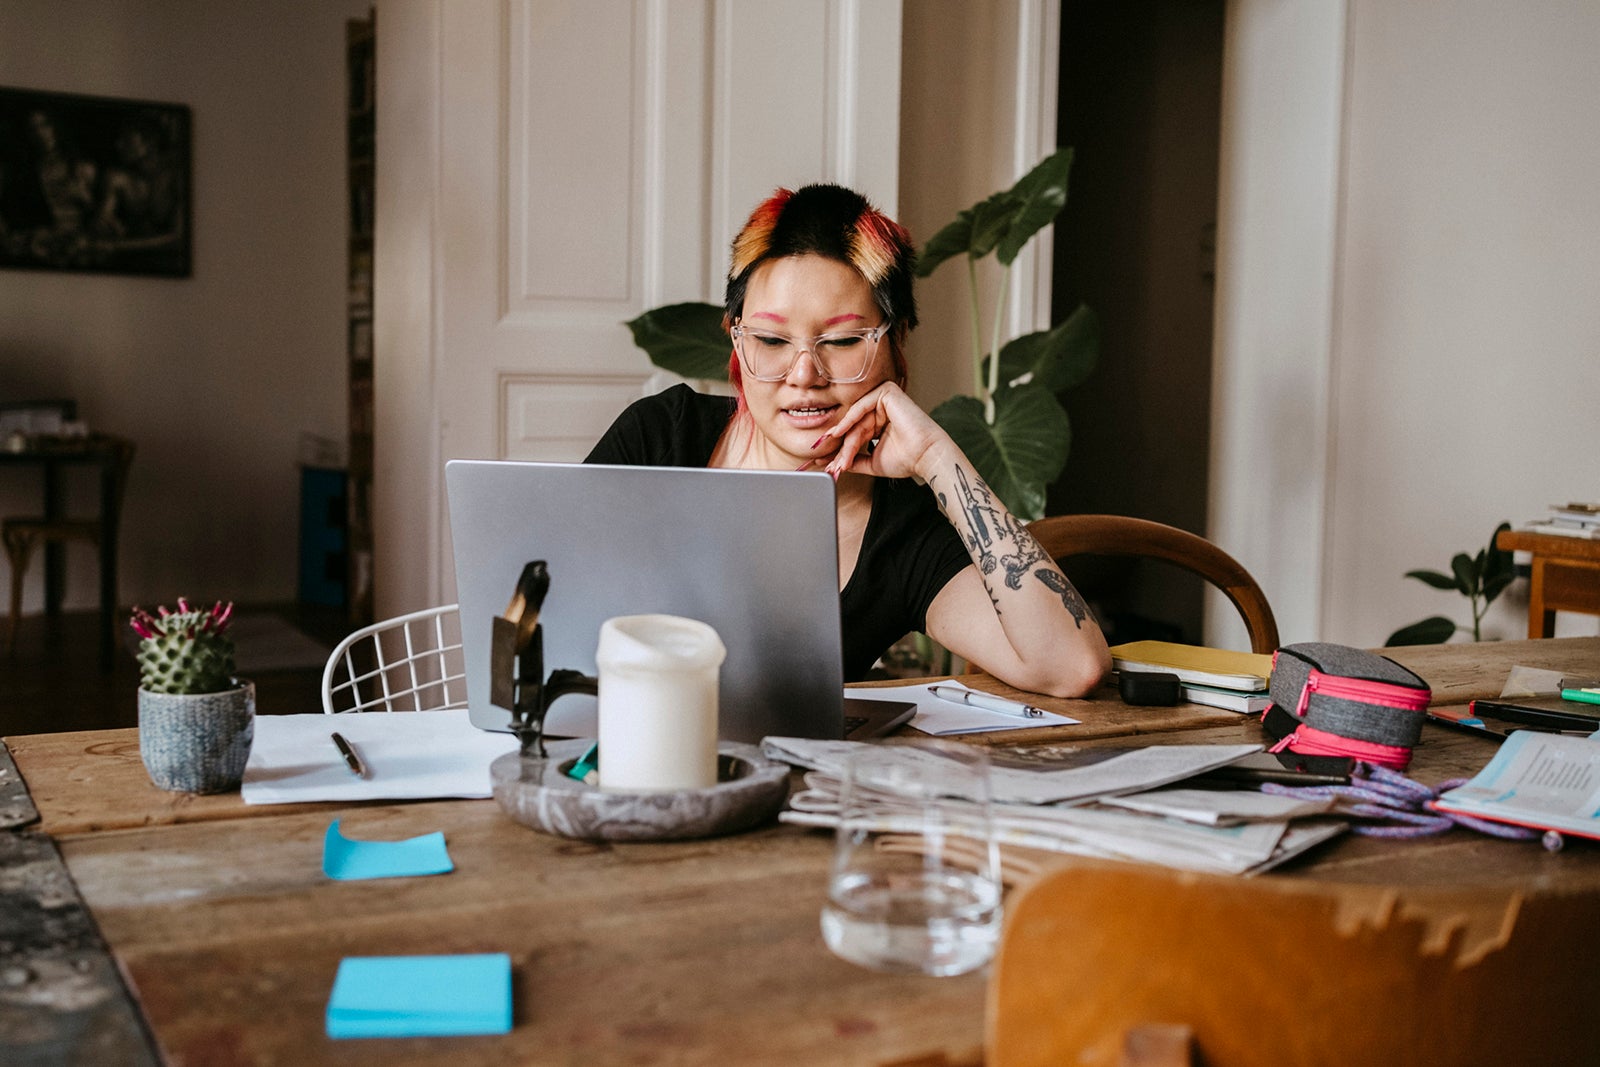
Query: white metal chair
pixel 408 663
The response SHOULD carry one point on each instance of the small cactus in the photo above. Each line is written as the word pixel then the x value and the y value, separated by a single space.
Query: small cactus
pixel 185 651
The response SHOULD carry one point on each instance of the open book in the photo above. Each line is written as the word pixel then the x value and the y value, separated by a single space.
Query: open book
pixel 1546 781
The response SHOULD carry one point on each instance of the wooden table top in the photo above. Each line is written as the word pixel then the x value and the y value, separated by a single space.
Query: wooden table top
pixel 1544 544
pixel 684 953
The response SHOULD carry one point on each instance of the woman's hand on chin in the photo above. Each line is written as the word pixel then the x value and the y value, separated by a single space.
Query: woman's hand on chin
pixel 886 435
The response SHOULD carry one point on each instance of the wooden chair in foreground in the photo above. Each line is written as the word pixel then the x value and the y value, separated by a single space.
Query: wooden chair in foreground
pixel 1103 966
pixel 1118 535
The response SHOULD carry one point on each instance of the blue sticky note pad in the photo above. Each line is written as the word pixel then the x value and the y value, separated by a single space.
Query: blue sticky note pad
pixel 421 996
pixel 345 859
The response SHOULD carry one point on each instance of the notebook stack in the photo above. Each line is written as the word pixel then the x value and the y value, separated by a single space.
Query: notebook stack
pixel 1570 520
pixel 1215 677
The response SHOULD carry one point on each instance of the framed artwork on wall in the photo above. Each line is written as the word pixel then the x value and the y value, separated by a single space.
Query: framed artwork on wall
pixel 91 183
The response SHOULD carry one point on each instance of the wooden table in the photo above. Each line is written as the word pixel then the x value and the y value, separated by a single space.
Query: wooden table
pixel 1564 576
pixel 702 952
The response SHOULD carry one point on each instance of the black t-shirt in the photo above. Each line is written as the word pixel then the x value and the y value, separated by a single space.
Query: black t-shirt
pixel 908 553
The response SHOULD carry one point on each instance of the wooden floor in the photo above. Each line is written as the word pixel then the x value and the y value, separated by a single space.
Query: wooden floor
pixel 53 681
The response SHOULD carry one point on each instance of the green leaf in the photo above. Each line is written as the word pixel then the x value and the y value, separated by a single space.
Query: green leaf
pixel 1003 222
pixel 1022 453
pixel 1467 571
pixel 953 240
pixel 1435 630
pixel 1057 359
pixel 1433 578
pixel 1038 198
pixel 1499 569
pixel 991 222
pixel 686 339
pixel 1494 585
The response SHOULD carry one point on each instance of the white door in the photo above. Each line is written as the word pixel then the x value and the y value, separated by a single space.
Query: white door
pixel 547 171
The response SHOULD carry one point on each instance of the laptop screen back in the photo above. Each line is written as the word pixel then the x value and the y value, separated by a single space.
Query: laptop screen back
pixel 752 553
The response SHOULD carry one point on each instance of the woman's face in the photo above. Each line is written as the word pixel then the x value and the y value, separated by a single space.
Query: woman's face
pixel 804 296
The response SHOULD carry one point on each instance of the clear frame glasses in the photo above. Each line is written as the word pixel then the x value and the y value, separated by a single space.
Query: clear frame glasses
pixel 843 357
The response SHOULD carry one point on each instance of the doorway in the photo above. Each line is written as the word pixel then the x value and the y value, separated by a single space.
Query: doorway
pixel 1140 101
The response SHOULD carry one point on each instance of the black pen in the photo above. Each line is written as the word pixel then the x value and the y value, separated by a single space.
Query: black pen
pixel 347 750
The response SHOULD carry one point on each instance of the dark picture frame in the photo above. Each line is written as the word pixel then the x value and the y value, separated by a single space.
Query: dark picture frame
pixel 93 183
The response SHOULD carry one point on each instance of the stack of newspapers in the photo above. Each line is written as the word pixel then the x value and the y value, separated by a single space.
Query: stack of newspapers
pixel 1109 803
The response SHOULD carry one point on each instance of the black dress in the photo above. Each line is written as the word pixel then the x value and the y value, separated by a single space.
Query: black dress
pixel 908 553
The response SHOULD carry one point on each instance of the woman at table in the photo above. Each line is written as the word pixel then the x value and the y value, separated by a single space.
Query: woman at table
pixel 819 305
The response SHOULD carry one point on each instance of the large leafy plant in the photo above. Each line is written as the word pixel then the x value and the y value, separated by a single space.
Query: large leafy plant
pixel 1479 578
pixel 1012 426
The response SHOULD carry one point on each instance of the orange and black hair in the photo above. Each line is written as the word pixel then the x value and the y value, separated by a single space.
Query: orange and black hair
pixel 832 221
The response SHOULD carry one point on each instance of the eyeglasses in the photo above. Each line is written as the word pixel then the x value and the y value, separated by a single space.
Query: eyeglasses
pixel 843 357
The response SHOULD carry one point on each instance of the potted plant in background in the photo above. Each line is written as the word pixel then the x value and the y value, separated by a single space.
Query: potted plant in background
pixel 1013 426
pixel 1479 578
pixel 196 720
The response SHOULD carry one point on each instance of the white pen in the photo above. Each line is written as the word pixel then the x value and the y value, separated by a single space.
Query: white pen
pixel 986 701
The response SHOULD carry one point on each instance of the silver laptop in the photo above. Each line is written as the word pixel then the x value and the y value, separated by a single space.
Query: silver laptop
pixel 752 553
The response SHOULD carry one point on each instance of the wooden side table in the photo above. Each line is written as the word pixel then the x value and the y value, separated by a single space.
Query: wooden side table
pixel 1565 576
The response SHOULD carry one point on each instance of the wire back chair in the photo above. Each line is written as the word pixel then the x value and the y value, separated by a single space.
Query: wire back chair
pixel 408 663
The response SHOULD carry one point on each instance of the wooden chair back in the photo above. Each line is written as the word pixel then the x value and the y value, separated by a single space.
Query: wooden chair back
pixel 1119 535
pixel 22 535
pixel 1104 964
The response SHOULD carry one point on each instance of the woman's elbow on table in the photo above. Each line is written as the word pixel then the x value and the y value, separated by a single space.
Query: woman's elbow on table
pixel 1076 673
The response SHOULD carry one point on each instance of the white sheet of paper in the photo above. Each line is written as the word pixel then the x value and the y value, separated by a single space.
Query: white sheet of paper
pixel 943 718
pixel 408 754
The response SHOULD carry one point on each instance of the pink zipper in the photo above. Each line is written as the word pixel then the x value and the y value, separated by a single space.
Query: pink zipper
pixel 1387 694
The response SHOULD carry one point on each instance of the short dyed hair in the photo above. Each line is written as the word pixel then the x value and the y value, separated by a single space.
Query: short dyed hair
pixel 840 224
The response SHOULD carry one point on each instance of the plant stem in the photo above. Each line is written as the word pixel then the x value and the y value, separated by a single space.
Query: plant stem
pixel 994 351
pixel 977 329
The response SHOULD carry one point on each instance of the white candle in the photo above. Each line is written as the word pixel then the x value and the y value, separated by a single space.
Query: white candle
pixel 658 703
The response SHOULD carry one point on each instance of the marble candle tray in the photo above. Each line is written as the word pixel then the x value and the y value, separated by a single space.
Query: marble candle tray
pixel 538 793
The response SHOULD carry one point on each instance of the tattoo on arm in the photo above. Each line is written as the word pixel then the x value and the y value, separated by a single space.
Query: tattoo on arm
pixel 999 542
pixel 1069 596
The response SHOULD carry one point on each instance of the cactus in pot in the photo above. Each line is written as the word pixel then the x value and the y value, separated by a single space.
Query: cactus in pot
pixel 185 651
pixel 196 720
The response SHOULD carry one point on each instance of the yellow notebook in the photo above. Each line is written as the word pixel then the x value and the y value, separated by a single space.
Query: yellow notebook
pixel 1246 672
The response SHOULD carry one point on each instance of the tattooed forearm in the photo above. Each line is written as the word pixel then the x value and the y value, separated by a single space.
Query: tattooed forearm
pixel 996 539
pixel 1069 596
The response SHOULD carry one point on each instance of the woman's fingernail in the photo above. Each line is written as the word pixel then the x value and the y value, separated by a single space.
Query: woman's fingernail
pixel 804 465
pixel 819 440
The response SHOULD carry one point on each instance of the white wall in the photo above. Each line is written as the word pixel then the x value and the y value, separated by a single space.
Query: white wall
pixel 1467 333
pixel 1408 335
pixel 214 376
pixel 977 111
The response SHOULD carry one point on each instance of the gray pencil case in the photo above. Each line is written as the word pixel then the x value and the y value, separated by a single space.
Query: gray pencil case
pixel 1341 701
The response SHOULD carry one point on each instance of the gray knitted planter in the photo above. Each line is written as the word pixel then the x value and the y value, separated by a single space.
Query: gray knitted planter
pixel 197 742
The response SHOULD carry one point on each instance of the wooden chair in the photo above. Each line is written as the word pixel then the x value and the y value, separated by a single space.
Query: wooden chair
pixel 22 535
pixel 1118 535
pixel 1102 965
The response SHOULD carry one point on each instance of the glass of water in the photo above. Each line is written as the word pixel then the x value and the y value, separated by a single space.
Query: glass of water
pixel 915 882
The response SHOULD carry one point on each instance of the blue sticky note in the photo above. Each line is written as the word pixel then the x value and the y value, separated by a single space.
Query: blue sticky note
pixel 345 859
pixel 421 996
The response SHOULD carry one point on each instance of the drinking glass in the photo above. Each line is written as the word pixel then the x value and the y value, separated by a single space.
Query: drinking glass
pixel 915 882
